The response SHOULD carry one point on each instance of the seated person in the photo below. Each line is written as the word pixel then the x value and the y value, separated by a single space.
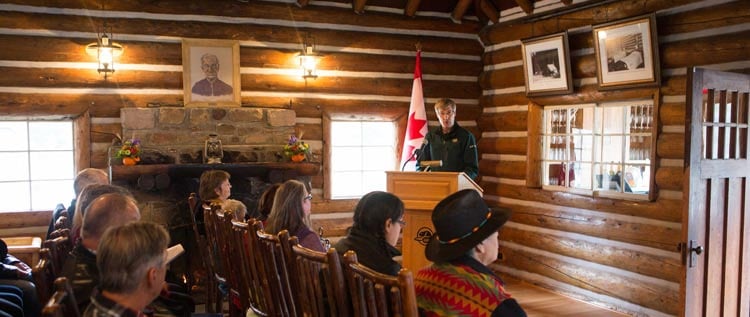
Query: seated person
pixel 214 188
pixel 291 211
pixel 378 221
pixel 266 202
pixel 84 178
pixel 239 210
pixel 133 261
pixel 15 278
pixel 88 195
pixel 458 282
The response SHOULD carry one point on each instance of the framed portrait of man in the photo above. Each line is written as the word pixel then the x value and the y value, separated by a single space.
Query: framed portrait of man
pixel 211 73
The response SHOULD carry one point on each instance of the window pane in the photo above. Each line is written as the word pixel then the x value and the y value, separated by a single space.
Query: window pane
pixel 581 176
pixel 346 133
pixel 14 166
pixel 51 135
pixel 346 184
pixel 47 194
pixel 13 135
pixel 378 158
pixel 51 165
pixel 613 147
pixel 374 181
pixel 613 118
pixel 637 179
pixel 378 133
pixel 346 159
pixel 15 196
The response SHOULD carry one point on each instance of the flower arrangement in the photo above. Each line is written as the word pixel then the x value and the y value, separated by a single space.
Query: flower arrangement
pixel 296 149
pixel 130 152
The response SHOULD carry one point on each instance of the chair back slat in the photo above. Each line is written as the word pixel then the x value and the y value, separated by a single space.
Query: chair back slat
pixel 213 262
pixel 276 271
pixel 320 284
pixel 377 294
pixel 251 287
pixel 59 248
pixel 43 275
pixel 63 302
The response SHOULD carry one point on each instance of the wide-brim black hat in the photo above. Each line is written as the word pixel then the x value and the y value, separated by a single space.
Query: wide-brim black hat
pixel 462 220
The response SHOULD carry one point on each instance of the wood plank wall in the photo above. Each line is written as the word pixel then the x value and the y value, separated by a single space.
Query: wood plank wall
pixel 366 70
pixel 621 254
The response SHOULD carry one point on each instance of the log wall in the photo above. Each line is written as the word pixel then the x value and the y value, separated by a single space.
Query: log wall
pixel 366 68
pixel 618 253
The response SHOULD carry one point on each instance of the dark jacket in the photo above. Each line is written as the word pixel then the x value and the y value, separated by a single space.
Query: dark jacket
pixel 82 273
pixel 457 149
pixel 372 252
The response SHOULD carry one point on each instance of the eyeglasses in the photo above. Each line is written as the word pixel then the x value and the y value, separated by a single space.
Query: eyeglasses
pixel 401 222
pixel 308 197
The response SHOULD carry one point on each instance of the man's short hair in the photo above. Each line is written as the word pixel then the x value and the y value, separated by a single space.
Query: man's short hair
pixel 445 103
pixel 126 253
pixel 107 211
pixel 87 177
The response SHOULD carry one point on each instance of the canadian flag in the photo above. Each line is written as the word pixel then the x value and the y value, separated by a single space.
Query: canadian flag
pixel 416 127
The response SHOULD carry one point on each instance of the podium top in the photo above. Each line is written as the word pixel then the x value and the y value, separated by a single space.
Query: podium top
pixel 423 190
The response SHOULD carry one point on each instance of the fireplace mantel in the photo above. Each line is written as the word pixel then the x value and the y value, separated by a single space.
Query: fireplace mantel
pixel 122 172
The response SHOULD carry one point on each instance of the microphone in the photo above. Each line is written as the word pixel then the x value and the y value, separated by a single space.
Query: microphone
pixel 418 153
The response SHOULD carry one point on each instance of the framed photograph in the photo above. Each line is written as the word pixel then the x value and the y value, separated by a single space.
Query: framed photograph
pixel 211 73
pixel 546 65
pixel 627 53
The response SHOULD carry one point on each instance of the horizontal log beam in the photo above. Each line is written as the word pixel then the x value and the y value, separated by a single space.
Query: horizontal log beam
pixel 655 296
pixel 672 114
pixel 515 146
pixel 504 121
pixel 600 226
pixel 661 209
pixel 671 146
pixel 717 16
pixel 669 178
pixel 613 255
pixel 715 49
pixel 504 169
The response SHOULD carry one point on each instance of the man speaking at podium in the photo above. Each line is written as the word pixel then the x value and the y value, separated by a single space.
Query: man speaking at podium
pixel 450 144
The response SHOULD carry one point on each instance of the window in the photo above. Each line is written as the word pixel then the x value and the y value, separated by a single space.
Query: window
pixel 361 151
pixel 601 149
pixel 36 164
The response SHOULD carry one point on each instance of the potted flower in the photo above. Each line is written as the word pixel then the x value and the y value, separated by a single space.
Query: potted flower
pixel 296 149
pixel 130 152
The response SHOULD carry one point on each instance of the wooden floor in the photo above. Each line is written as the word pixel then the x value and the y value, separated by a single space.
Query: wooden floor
pixel 537 301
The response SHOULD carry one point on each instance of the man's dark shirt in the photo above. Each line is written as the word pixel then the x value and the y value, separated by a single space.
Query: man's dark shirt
pixel 80 269
pixel 457 149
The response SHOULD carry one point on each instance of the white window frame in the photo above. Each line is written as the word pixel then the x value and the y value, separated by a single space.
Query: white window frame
pixel 554 135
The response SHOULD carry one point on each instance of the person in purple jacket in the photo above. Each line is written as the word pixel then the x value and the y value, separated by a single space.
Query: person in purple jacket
pixel 291 211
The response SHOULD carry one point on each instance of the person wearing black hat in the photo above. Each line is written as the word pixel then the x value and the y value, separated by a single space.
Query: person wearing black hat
pixel 458 282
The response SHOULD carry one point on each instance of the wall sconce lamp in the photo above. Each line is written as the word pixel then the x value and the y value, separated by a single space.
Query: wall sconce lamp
pixel 308 59
pixel 105 51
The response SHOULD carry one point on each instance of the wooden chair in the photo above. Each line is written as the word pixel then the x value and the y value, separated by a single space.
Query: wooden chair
pixel 59 248
pixel 213 264
pixel 43 275
pixel 197 267
pixel 253 284
pixel 238 303
pixel 276 270
pixel 377 294
pixel 318 279
pixel 62 221
pixel 63 302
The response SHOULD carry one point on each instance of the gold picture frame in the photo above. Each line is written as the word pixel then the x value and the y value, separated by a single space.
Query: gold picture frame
pixel 627 53
pixel 211 73
pixel 546 65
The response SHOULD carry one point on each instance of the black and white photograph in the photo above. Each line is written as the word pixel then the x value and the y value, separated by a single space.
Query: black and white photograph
pixel 626 53
pixel 547 65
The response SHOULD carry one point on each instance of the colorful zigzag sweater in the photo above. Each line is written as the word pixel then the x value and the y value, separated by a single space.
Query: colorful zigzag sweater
pixel 457 289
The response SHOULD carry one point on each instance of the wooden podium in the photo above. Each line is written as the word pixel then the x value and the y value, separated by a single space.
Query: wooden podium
pixel 420 192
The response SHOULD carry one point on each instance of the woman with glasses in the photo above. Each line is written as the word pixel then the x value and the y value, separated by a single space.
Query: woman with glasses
pixel 378 221
pixel 291 211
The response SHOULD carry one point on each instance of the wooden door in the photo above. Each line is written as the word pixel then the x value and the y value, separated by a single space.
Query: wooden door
pixel 716 221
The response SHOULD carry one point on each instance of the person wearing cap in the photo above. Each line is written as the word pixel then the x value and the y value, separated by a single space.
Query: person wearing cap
pixel 458 282
pixel 133 261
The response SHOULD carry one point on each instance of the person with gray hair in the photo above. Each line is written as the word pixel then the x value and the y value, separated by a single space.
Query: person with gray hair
pixel 84 178
pixel 133 261
pixel 105 212
pixel 86 197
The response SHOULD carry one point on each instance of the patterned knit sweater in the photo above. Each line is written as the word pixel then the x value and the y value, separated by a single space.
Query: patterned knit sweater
pixel 461 288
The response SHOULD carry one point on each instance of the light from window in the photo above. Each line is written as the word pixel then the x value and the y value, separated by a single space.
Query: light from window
pixel 361 152
pixel 36 164
pixel 603 149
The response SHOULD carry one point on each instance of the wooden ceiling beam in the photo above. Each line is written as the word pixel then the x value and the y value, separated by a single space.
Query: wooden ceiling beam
pixel 486 8
pixel 359 6
pixel 566 2
pixel 458 12
pixel 526 5
pixel 411 8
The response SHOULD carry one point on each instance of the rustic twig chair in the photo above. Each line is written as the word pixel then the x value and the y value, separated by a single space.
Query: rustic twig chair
pixel 377 294
pixel 43 275
pixel 63 302
pixel 276 270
